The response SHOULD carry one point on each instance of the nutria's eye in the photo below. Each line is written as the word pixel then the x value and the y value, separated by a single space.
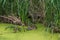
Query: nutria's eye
pixel 29 16
pixel 38 17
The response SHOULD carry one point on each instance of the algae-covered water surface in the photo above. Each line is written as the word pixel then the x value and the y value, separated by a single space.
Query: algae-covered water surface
pixel 38 34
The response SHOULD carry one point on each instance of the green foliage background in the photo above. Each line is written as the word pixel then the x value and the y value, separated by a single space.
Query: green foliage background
pixel 20 8
pixel 53 12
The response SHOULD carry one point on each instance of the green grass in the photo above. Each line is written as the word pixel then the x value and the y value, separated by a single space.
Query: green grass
pixel 39 34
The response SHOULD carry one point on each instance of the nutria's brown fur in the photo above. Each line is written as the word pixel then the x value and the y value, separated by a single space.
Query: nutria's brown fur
pixel 11 19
